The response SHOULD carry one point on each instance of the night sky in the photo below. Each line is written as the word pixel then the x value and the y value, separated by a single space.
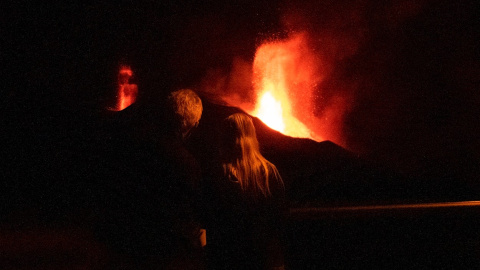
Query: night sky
pixel 410 68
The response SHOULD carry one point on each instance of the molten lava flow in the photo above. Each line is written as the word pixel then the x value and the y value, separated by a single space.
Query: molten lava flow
pixel 280 78
pixel 270 111
pixel 127 93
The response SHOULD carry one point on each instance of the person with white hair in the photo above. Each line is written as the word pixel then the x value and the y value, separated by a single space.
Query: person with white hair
pixel 152 219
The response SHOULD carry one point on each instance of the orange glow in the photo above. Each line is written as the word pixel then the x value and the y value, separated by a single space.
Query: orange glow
pixel 288 87
pixel 270 111
pixel 280 74
pixel 127 92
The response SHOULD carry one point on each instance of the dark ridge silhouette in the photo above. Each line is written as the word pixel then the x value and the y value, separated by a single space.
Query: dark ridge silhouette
pixel 315 173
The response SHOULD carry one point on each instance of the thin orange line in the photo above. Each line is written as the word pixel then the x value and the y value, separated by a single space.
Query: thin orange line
pixel 392 206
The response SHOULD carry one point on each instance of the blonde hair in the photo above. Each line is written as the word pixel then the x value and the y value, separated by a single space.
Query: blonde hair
pixel 242 157
pixel 187 108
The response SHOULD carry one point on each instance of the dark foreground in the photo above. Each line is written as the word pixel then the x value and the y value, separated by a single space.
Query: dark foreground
pixel 441 236
pixel 345 213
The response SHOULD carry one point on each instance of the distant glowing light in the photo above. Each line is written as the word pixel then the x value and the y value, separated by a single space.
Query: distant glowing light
pixel 125 71
pixel 127 92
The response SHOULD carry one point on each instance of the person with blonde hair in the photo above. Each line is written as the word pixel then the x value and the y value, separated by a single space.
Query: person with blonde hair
pixel 241 158
pixel 247 202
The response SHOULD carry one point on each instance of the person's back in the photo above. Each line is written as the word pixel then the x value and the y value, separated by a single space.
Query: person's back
pixel 246 197
pixel 244 231
pixel 150 216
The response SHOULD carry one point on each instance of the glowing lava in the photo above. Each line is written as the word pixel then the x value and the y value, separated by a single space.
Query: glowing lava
pixel 279 80
pixel 127 92
pixel 270 111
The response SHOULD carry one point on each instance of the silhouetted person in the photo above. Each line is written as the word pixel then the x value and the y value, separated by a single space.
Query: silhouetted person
pixel 150 217
pixel 246 201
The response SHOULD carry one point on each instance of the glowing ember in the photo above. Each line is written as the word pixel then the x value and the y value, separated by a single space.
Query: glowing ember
pixel 277 70
pixel 127 92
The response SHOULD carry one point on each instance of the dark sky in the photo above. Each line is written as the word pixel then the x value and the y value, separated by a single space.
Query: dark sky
pixel 411 67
